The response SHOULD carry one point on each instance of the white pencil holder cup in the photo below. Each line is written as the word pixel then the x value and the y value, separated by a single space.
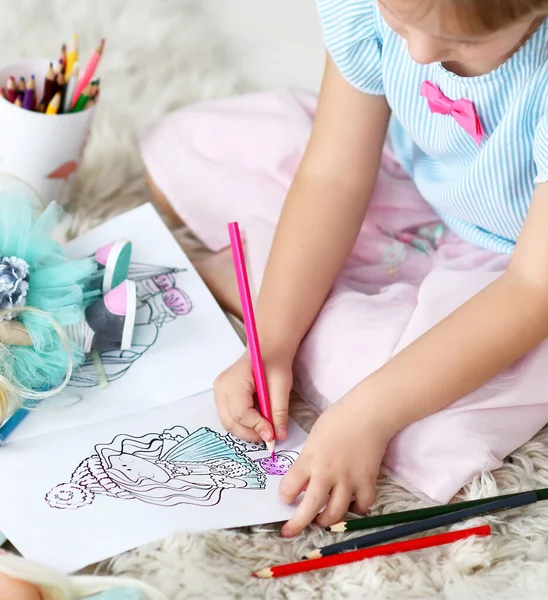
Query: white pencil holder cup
pixel 44 151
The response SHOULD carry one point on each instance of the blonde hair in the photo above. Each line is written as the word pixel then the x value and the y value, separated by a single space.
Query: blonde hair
pixel 54 586
pixel 11 393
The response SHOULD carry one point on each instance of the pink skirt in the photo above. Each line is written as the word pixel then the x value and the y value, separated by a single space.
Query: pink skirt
pixel 233 160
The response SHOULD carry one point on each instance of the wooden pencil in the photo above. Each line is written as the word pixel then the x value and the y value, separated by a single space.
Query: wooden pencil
pixel 29 97
pixel 11 89
pixel 82 100
pixel 63 58
pixel 72 56
pixel 49 88
pixel 53 106
pixel 71 86
pixel 21 87
pixel 419 514
pixel 88 72
pixel 61 88
pixel 407 529
pixel 358 555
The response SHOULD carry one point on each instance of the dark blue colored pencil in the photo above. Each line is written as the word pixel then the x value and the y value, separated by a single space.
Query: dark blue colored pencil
pixel 407 529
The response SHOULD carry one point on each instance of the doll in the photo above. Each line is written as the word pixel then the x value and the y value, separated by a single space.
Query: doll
pixel 21 579
pixel 54 310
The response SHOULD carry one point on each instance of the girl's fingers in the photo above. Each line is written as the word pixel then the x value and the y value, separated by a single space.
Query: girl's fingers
pixel 314 499
pixel 337 506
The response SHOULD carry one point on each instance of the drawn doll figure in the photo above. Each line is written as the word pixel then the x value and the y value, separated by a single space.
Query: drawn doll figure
pixel 168 469
pixel 159 301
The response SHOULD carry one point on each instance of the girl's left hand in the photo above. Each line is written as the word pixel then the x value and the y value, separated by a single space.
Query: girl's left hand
pixel 338 465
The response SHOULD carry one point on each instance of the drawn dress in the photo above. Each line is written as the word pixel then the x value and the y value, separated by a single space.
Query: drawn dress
pixel 165 469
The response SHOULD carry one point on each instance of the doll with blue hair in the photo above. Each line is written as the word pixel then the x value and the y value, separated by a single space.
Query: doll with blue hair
pixel 53 312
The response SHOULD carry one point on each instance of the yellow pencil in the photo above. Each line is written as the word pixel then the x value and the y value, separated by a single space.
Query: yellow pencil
pixel 53 106
pixel 72 56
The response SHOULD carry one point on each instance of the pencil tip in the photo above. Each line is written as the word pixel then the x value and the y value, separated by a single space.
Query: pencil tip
pixel 314 554
pixel 271 446
pixel 328 528
pixel 264 574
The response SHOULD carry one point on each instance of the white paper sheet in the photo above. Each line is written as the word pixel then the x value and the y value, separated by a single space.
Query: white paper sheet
pixel 172 357
pixel 119 484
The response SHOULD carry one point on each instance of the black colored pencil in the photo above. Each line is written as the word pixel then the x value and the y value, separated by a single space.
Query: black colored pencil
pixel 407 529
pixel 418 514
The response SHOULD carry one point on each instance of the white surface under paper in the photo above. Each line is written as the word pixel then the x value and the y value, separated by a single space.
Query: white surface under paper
pixel 70 538
pixel 190 349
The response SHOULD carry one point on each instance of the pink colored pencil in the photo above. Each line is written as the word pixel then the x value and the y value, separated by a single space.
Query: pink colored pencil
pixel 250 326
pixel 88 72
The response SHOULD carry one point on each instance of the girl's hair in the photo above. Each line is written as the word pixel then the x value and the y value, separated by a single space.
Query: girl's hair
pixel 478 17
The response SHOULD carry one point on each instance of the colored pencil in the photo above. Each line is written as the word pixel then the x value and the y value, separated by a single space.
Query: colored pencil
pixel 53 106
pixel 88 72
pixel 250 326
pixel 71 86
pixel 11 89
pixel 21 87
pixel 49 88
pixel 61 88
pixel 18 102
pixel 72 57
pixel 82 100
pixel 358 555
pixel 400 531
pixel 63 58
pixel 419 514
pixel 9 426
pixel 29 97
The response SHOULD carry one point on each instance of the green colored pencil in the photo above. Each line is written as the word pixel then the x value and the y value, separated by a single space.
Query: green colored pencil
pixel 83 99
pixel 419 514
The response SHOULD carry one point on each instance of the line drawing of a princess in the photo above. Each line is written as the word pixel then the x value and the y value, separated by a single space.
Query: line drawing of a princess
pixel 169 469
pixel 159 302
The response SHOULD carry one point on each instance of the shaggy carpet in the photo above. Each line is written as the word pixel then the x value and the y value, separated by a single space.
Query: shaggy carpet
pixel 161 55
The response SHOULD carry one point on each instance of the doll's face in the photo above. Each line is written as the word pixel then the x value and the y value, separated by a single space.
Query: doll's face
pixel 129 468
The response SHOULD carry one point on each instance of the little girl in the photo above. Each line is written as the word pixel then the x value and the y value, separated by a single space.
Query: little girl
pixel 420 328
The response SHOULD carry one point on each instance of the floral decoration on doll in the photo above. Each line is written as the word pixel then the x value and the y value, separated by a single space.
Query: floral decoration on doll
pixel 14 284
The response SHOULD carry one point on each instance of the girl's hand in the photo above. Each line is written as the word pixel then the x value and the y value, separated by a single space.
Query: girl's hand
pixel 339 465
pixel 234 395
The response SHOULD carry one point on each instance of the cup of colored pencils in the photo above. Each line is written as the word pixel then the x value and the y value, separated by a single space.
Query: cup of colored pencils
pixel 46 111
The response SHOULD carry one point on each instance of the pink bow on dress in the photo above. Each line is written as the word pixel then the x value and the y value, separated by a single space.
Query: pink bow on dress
pixel 462 111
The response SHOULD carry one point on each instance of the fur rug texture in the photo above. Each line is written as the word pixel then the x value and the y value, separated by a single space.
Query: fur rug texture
pixel 160 55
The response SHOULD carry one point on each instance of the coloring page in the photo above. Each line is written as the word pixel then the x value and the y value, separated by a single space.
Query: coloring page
pixel 182 339
pixel 72 498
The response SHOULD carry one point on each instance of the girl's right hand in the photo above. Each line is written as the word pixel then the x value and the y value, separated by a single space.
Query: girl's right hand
pixel 234 391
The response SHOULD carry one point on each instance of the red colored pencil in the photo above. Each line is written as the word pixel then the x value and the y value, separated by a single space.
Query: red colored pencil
pixel 11 90
pixel 357 555
pixel 88 72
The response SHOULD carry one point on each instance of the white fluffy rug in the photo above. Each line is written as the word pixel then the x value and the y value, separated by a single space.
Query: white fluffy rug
pixel 161 55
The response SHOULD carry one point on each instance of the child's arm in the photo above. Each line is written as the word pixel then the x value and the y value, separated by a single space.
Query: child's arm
pixel 320 221
pixel 324 210
pixel 464 351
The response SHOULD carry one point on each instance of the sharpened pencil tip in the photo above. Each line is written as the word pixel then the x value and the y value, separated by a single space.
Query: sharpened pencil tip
pixel 271 446
pixel 311 555
pixel 264 574
pixel 337 528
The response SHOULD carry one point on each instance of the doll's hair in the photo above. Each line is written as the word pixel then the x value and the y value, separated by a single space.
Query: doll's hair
pixel 477 17
pixel 55 586
pixel 12 393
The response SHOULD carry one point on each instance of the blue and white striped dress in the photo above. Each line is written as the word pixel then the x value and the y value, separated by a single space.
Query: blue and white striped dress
pixel 482 193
